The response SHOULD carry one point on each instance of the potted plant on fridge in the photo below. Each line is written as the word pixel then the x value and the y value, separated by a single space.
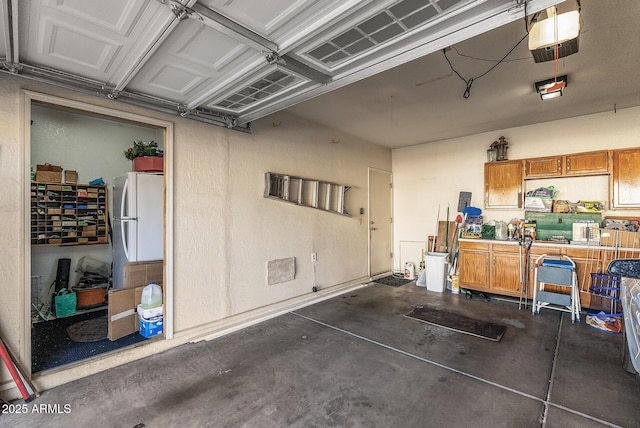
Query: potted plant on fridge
pixel 146 156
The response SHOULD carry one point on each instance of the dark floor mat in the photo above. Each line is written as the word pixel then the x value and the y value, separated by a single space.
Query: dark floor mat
pixel 393 281
pixel 52 347
pixel 89 330
pixel 460 323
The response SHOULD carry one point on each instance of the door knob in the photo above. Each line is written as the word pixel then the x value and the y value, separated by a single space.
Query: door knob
pixel 373 228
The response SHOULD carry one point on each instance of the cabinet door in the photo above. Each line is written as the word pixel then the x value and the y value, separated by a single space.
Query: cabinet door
pixel 592 163
pixel 543 167
pixel 505 274
pixel 587 261
pixel 503 184
pixel 626 178
pixel 474 270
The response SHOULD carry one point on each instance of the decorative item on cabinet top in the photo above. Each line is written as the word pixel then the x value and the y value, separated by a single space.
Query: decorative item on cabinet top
pixel 498 150
pixel 307 192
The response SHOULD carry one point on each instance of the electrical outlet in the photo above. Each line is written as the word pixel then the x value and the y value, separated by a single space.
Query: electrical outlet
pixel 314 257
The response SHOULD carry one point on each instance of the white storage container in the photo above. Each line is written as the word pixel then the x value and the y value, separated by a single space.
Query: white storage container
pixel 147 314
pixel 436 268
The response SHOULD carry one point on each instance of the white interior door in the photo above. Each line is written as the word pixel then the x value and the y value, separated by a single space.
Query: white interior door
pixel 380 222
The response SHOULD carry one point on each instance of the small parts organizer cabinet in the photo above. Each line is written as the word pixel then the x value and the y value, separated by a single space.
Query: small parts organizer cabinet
pixel 68 214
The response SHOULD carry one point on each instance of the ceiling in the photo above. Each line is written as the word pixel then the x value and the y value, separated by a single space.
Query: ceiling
pixel 372 68
pixel 422 101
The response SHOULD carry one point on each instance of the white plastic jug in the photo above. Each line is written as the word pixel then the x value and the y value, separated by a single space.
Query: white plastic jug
pixel 502 232
pixel 409 272
pixel 151 296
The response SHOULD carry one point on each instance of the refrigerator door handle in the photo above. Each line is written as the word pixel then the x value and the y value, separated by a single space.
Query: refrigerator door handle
pixel 123 218
pixel 123 198
pixel 124 240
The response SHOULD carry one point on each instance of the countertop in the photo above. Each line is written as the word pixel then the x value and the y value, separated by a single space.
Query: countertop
pixel 548 244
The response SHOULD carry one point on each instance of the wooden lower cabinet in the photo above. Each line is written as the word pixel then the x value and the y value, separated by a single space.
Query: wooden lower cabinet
pixel 474 265
pixel 505 270
pixel 586 261
pixel 494 267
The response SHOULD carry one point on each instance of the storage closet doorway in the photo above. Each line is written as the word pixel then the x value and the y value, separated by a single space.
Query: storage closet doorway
pixel 91 140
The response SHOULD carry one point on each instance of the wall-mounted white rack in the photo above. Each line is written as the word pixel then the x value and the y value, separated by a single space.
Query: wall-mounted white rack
pixel 306 192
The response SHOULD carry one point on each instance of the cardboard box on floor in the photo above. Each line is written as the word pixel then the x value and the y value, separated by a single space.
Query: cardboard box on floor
pixel 138 274
pixel 122 315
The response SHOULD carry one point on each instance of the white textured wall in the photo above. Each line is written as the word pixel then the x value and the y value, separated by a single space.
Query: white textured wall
pixel 430 175
pixel 222 252
pixel 224 230
pixel 12 245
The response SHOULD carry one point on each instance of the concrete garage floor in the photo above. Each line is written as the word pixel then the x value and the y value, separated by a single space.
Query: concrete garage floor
pixel 356 361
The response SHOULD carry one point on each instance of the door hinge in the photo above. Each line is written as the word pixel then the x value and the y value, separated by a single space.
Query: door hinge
pixel 391 255
pixel 390 185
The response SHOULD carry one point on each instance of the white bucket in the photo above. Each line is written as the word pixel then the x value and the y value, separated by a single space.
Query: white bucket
pixel 409 271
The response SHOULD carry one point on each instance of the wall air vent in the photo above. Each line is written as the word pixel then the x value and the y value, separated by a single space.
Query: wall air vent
pixel 267 86
pixel 391 22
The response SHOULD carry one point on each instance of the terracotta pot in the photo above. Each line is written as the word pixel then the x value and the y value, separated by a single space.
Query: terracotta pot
pixel 148 164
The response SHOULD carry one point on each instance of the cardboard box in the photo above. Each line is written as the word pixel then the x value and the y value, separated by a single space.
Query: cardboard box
pixel 122 316
pixel 49 173
pixel 137 274
pixel 70 176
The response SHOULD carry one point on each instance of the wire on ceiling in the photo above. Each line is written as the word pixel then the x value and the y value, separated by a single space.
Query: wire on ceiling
pixel 469 82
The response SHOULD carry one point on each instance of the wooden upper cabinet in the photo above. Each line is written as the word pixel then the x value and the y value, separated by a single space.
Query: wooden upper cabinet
pixel 591 163
pixel 577 164
pixel 503 184
pixel 550 166
pixel 626 178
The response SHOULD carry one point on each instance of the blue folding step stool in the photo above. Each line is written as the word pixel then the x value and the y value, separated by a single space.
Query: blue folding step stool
pixel 558 271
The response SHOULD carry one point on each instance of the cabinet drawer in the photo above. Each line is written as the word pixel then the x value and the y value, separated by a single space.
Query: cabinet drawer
pixel 478 246
pixel 505 248
pixel 583 253
pixel 544 250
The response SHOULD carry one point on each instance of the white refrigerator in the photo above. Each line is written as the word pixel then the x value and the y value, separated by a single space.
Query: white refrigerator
pixel 138 220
